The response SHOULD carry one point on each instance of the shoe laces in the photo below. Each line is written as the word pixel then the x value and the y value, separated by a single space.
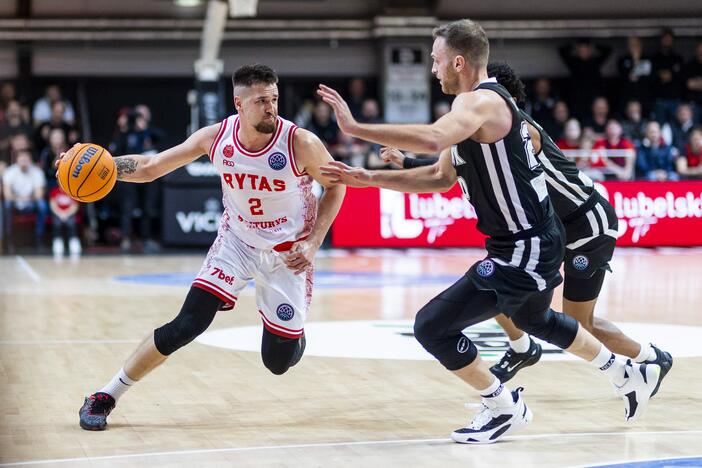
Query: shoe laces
pixel 483 417
pixel 507 358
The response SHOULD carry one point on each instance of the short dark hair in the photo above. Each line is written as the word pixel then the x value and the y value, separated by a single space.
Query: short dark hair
pixel 249 75
pixel 506 77
pixel 467 38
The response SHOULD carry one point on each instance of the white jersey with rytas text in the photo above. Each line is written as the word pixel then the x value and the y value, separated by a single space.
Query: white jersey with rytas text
pixel 268 202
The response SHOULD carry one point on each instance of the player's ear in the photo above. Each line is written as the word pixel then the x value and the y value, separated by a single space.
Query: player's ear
pixel 459 63
pixel 237 103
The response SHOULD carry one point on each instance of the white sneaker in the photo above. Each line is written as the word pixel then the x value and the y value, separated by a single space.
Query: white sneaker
pixel 641 381
pixel 57 247
pixel 74 246
pixel 492 422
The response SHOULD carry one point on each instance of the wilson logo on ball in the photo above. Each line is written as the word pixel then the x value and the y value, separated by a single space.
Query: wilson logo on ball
pixel 84 159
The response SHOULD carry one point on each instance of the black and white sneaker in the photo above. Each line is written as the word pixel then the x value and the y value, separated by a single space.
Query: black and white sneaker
pixel 665 361
pixel 512 361
pixel 641 381
pixel 492 422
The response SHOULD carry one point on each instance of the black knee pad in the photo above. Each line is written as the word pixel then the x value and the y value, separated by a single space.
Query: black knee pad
pixel 195 316
pixel 554 327
pixel 579 289
pixel 279 353
pixel 452 349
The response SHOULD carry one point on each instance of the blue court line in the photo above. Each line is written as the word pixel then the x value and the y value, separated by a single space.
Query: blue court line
pixel 661 463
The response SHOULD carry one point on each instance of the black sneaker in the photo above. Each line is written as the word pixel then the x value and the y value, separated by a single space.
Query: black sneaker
pixel 663 359
pixel 94 412
pixel 512 361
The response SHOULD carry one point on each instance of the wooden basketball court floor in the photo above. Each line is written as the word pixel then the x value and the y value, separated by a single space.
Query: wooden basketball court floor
pixel 67 326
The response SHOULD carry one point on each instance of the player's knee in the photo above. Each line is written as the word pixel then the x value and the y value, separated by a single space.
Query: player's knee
pixel 454 351
pixel 276 366
pixel 553 327
pixel 194 318
pixel 279 354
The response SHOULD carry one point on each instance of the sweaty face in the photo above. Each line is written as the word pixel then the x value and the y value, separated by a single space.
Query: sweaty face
pixel 258 106
pixel 442 66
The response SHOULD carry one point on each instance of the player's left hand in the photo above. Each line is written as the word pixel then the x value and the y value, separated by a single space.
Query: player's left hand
pixel 300 257
pixel 339 173
pixel 344 119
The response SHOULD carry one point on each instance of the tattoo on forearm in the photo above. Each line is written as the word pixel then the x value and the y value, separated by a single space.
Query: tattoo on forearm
pixel 125 165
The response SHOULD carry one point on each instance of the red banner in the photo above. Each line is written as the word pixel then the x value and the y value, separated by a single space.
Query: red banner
pixel 650 214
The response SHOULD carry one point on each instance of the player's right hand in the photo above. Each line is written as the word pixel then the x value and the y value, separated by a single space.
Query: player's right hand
pixel 392 156
pixel 339 173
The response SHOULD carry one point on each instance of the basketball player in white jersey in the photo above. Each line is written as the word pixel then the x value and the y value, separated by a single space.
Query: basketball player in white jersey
pixel 270 231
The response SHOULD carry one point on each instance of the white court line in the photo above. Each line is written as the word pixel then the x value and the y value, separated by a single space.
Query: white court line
pixel 61 342
pixel 28 269
pixel 333 444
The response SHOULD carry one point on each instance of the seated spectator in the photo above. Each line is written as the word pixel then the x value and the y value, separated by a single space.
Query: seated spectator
pixel 23 189
pixel 370 112
pixel 13 125
pixel 41 136
pixel 63 216
pixel 667 78
pixel 42 110
pixel 571 137
pixel 689 164
pixel 693 82
pixel 635 73
pixel 357 95
pixel 584 61
pixel 617 159
pixel 677 132
pixel 555 126
pixel 57 145
pixel 323 126
pixel 540 107
pixel 597 120
pixel 8 93
pixel 633 124
pixel 352 151
pixel 654 159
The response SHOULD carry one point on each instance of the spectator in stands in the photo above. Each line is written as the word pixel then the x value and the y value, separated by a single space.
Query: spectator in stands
pixel 8 93
pixel 689 164
pixel 655 160
pixel 635 74
pixel 584 61
pixel 556 125
pixel 63 217
pixel 323 126
pixel 571 136
pixel 541 105
pixel 357 94
pixel 441 108
pixel 677 132
pixel 370 111
pixel 23 189
pixel 57 145
pixel 633 124
pixel 599 116
pixel 41 136
pixel 667 78
pixel 693 82
pixel 617 159
pixel 43 108
pixel 13 125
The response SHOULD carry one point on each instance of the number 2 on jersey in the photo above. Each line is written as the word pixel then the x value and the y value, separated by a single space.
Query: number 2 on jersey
pixel 255 206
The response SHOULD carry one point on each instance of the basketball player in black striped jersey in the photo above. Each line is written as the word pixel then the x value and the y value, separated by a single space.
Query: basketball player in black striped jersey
pixel 590 225
pixel 486 146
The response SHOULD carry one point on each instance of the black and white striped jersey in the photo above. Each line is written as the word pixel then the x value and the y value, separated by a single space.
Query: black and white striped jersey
pixel 503 180
pixel 568 187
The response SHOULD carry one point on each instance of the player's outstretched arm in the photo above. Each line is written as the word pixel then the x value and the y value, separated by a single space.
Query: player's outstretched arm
pixel 310 156
pixel 438 177
pixel 468 113
pixel 140 168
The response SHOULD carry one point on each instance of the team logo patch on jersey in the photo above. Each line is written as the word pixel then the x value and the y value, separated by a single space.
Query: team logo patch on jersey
pixel 580 262
pixel 462 345
pixel 285 312
pixel 228 151
pixel 486 268
pixel 277 161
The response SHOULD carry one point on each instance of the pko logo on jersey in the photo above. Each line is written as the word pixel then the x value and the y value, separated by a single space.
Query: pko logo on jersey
pixel 580 262
pixel 285 312
pixel 485 268
pixel 84 159
pixel 277 161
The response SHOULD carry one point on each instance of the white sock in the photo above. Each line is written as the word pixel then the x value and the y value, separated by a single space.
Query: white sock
pixel 647 353
pixel 119 384
pixel 612 366
pixel 521 344
pixel 497 393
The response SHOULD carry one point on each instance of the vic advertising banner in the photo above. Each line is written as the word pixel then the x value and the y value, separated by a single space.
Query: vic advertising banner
pixel 650 214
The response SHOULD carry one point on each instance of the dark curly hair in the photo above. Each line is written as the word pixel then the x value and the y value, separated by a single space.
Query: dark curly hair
pixel 249 75
pixel 507 78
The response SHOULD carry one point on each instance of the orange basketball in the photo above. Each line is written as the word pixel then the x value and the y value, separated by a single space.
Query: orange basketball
pixel 87 172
